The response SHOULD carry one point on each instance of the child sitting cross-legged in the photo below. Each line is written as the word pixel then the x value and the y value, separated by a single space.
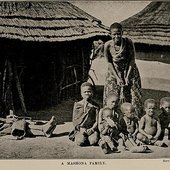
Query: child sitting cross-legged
pixel 129 127
pixel 111 103
pixel 109 131
pixel 129 130
pixel 149 125
pixel 85 116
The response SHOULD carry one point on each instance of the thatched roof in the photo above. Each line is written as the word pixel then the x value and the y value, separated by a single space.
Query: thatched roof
pixel 47 21
pixel 151 25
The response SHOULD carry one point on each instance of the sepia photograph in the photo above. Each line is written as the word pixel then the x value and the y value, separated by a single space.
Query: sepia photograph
pixel 84 80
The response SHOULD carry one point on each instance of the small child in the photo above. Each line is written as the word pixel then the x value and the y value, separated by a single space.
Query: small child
pixel 149 125
pixel 129 127
pixel 85 116
pixel 165 117
pixel 112 103
pixel 109 131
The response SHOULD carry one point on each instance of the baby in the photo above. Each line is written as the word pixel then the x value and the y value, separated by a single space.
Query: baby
pixel 165 117
pixel 149 125
pixel 129 127
pixel 85 116
pixel 109 131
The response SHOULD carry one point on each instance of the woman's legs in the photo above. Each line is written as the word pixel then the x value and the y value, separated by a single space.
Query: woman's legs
pixel 136 91
pixel 110 87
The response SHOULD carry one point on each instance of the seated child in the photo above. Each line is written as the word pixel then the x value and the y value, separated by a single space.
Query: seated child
pixel 109 131
pixel 129 127
pixel 165 117
pixel 20 127
pixel 85 116
pixel 112 103
pixel 149 125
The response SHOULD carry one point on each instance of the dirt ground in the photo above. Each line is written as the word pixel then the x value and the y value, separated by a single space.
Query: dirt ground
pixel 60 147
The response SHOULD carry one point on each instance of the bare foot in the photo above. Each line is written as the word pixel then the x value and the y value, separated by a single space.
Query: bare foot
pixel 49 127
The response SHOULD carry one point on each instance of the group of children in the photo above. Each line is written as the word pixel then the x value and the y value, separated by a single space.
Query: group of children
pixel 113 128
pixel 117 129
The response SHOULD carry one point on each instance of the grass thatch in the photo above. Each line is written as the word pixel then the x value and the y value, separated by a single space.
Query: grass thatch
pixel 47 21
pixel 151 25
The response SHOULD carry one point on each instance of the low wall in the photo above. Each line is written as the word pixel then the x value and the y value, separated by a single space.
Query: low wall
pixel 154 74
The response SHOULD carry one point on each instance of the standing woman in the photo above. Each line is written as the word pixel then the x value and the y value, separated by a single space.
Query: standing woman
pixel 122 76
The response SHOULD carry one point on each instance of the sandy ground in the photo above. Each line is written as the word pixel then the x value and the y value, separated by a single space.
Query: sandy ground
pixel 60 147
pixel 155 76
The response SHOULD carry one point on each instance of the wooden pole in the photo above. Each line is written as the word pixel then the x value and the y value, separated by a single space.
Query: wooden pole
pixel 4 82
pixel 10 85
pixel 83 62
pixel 61 92
pixel 18 86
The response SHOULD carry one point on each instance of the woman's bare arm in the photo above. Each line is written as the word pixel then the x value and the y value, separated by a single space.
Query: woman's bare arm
pixel 110 64
pixel 132 59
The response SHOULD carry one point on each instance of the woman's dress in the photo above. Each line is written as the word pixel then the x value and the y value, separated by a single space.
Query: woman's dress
pixel 121 60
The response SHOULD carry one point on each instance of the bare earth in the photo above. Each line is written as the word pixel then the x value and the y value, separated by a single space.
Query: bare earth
pixel 60 147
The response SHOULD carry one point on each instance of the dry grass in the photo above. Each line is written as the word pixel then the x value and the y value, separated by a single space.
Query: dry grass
pixel 151 25
pixel 47 21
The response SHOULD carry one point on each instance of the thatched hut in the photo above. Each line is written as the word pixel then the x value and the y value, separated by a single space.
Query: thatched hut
pixel 45 51
pixel 150 30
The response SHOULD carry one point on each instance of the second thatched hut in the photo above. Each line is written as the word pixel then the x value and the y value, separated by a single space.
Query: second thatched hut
pixel 150 30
